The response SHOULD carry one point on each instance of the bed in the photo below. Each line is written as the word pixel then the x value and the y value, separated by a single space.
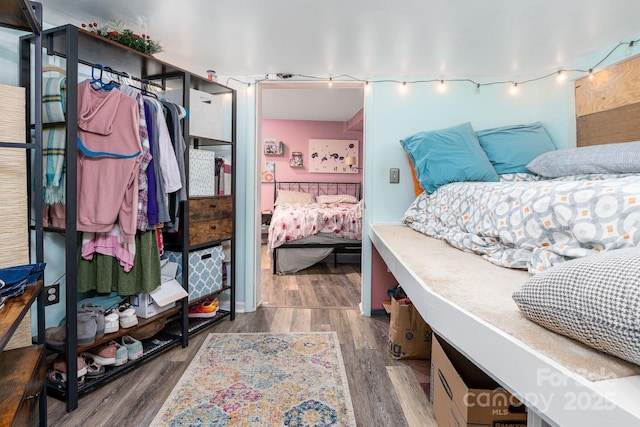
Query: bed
pixel 312 220
pixel 528 265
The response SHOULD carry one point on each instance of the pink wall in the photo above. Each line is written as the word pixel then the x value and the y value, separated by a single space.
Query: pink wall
pixel 381 280
pixel 296 134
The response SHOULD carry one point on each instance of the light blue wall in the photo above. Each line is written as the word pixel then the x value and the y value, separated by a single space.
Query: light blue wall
pixel 391 115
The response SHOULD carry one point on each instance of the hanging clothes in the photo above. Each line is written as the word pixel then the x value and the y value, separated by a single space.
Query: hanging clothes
pixel 154 140
pixel 104 274
pixel 179 146
pixel 54 151
pixel 152 201
pixel 143 185
pixel 108 160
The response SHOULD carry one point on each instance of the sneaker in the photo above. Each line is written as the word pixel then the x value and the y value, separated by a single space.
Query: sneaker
pixel 104 354
pixel 94 370
pixel 60 366
pixel 207 308
pixel 111 322
pixel 87 328
pixel 134 347
pixel 98 312
pixel 127 315
pixel 122 354
pixel 55 379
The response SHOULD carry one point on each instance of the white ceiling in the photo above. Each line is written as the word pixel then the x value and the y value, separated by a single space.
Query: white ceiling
pixel 431 38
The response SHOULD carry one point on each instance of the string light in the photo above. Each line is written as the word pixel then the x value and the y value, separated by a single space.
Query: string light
pixel 561 75
pixel 514 88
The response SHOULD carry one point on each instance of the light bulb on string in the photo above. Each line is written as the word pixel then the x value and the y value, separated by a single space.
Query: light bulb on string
pixel 442 87
pixel 515 88
pixel 590 73
pixel 403 87
pixel 561 76
pixel 477 88
pixel 330 81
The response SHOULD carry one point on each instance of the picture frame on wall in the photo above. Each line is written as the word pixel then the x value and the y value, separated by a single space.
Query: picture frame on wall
pixel 271 147
pixel 268 172
pixel 333 156
pixel 296 160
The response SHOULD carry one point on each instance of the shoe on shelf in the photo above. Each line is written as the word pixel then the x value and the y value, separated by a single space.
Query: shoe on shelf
pixel 56 379
pixel 205 309
pixel 94 370
pixel 98 311
pixel 111 322
pixel 134 347
pixel 122 354
pixel 104 355
pixel 127 315
pixel 86 330
pixel 60 365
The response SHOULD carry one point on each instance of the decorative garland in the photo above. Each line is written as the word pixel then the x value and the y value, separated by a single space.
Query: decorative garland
pixel 114 31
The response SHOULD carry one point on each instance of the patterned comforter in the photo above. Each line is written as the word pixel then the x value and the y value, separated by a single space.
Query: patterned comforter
pixel 295 221
pixel 534 224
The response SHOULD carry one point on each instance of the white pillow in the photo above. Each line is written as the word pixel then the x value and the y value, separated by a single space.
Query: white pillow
pixel 285 197
pixel 336 198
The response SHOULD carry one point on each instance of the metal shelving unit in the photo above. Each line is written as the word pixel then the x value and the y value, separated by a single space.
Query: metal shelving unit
pixel 77 46
pixel 26 16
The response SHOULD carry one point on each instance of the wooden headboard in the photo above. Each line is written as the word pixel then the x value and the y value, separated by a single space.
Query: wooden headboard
pixel 608 105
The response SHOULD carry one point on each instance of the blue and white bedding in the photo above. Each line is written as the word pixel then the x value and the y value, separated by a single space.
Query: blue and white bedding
pixel 532 223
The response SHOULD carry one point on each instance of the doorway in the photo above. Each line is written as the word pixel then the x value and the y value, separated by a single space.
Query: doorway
pixel 289 115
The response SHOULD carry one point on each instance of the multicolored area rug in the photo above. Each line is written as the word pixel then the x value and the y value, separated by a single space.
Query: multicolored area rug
pixel 262 379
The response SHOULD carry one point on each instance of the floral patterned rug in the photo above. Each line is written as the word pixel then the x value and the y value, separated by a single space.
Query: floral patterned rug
pixel 262 379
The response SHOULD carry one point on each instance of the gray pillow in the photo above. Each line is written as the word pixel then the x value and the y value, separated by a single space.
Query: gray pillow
pixel 622 157
pixel 595 300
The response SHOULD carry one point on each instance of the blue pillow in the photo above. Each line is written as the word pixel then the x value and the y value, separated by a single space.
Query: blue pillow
pixel 511 148
pixel 448 155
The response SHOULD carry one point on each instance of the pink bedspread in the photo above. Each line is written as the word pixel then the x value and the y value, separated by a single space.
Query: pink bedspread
pixel 295 221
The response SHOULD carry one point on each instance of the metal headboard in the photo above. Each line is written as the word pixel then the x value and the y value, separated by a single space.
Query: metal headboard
pixel 319 188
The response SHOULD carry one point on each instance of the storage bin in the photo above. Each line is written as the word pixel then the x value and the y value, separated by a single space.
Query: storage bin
pixel 202 172
pixel 205 270
pixel 209 115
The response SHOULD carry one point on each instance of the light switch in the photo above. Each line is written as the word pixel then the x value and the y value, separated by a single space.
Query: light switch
pixel 394 176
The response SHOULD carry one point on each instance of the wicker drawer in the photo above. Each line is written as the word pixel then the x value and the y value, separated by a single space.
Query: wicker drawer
pixel 209 208
pixel 209 231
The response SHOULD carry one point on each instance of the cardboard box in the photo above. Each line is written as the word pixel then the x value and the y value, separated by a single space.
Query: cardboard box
pixel 161 299
pixel 463 395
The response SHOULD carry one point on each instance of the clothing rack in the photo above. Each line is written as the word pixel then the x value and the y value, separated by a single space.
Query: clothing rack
pixel 111 70
pixel 120 73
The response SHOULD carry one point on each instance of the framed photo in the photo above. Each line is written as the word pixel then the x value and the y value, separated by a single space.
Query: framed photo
pixel 268 171
pixel 296 160
pixel 333 156
pixel 273 147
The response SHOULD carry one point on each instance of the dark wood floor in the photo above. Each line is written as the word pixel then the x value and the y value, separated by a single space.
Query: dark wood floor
pixel 384 392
